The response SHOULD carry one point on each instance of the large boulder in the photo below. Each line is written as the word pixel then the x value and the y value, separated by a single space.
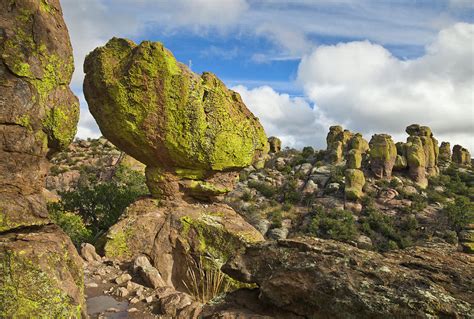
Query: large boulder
pixel 337 143
pixel 355 181
pixel 275 144
pixel 430 147
pixel 318 278
pixel 180 124
pixel 383 154
pixel 445 153
pixel 461 155
pixel 172 234
pixel 40 271
pixel 416 161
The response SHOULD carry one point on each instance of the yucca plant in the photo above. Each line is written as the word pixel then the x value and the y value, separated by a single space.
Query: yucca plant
pixel 205 282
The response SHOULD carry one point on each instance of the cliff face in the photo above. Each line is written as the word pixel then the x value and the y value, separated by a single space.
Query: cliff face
pixel 40 271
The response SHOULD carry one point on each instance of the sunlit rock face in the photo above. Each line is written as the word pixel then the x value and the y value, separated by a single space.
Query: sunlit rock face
pixel 183 126
pixel 40 271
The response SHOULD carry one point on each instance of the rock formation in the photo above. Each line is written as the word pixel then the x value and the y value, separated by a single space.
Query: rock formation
pixel 383 154
pixel 40 271
pixel 430 147
pixel 188 129
pixel 445 153
pixel 337 141
pixel 193 134
pixel 461 156
pixel 355 181
pixel 317 278
pixel 275 144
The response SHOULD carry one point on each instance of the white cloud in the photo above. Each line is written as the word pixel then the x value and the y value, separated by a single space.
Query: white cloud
pixel 363 86
pixel 290 118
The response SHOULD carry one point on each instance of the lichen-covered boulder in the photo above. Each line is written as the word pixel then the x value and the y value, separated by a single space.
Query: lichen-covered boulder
pixel 355 181
pixel 383 154
pixel 445 153
pixel 317 278
pixel 41 275
pixel 416 161
pixel 357 142
pixel 171 233
pixel 354 159
pixel 430 147
pixel 275 144
pixel 400 163
pixel 40 271
pixel 337 143
pixel 158 111
pixel 461 155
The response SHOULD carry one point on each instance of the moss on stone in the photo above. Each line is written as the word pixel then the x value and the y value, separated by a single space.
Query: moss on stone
pixel 355 181
pixel 116 245
pixel 161 113
pixel 26 291
pixel 60 125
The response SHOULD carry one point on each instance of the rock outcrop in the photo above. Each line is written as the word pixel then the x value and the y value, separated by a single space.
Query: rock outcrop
pixel 461 155
pixel 275 144
pixel 188 129
pixel 445 153
pixel 317 278
pixel 430 146
pixel 170 233
pixel 383 154
pixel 40 271
pixel 337 142
pixel 355 181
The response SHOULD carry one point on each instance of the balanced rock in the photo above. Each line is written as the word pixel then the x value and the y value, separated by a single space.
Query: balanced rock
pixel 275 144
pixel 357 142
pixel 355 181
pixel 180 124
pixel 317 278
pixel 383 154
pixel 461 155
pixel 337 141
pixel 41 273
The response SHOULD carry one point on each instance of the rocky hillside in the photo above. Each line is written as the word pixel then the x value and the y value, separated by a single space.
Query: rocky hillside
pixel 184 209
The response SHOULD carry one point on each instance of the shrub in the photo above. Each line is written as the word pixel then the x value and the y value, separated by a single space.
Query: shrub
pixel 289 192
pixel 307 151
pixel 333 224
pixel 246 196
pixel 100 205
pixel 265 189
pixel 72 224
pixel 460 213
pixel 276 218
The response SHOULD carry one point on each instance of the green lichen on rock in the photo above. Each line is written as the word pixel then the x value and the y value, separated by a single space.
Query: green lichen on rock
pixel 27 291
pixel 337 143
pixel 116 245
pixel 416 160
pixel 354 159
pixel 355 181
pixel 60 125
pixel 161 113
pixel 383 153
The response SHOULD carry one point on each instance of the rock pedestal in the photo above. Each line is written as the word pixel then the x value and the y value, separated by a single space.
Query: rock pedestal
pixel 183 126
pixel 40 270
pixel 461 156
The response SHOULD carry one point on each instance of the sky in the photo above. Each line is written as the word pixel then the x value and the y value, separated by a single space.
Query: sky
pixel 372 66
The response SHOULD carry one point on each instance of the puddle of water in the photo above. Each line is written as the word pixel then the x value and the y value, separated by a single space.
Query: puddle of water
pixel 99 304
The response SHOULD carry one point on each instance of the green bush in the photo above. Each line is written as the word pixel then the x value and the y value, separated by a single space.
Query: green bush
pixel 460 213
pixel 265 189
pixel 307 151
pixel 276 218
pixel 72 224
pixel 100 205
pixel 246 196
pixel 290 193
pixel 333 224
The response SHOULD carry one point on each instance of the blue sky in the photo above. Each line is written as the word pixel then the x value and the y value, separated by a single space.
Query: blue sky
pixel 272 51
